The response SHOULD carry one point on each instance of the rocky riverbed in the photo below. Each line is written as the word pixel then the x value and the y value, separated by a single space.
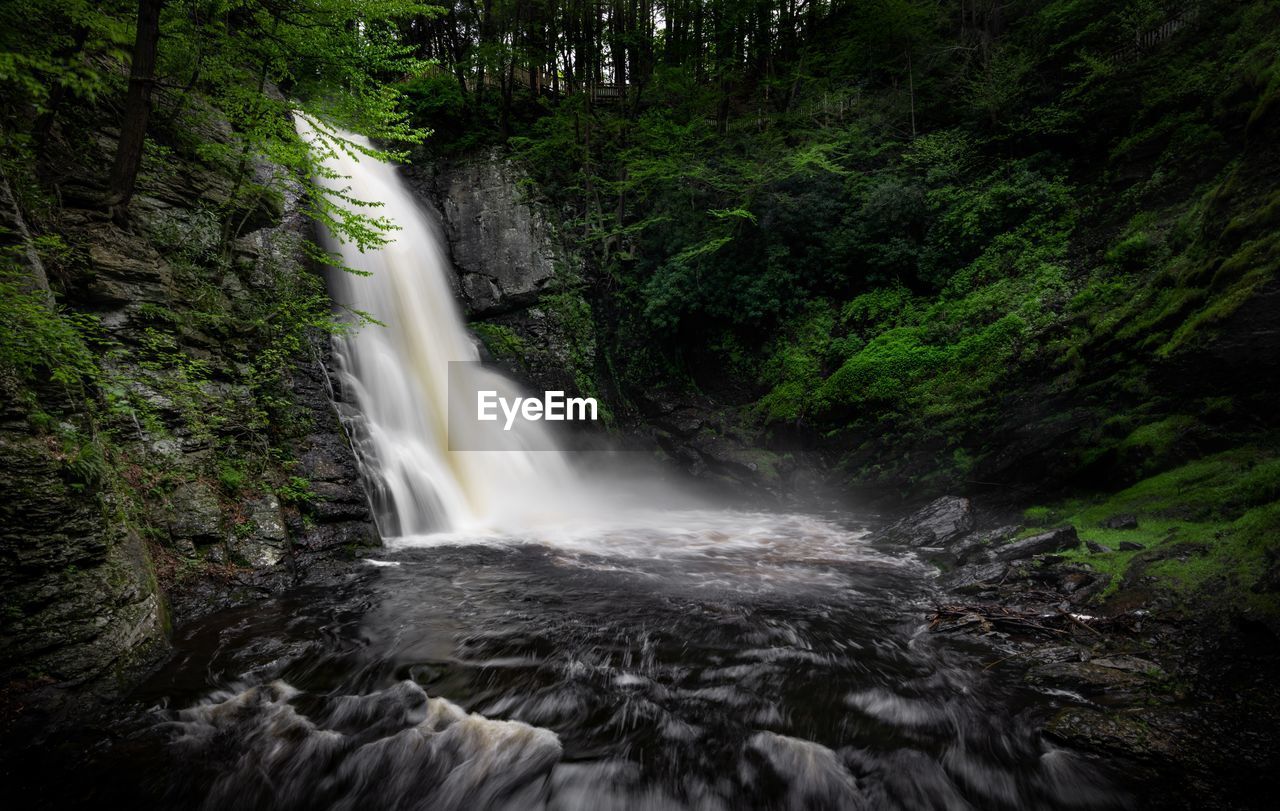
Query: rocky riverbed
pixel 1184 697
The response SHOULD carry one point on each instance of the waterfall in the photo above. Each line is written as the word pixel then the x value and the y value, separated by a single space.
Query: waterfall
pixel 396 373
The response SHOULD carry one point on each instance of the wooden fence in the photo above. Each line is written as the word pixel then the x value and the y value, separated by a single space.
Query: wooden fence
pixel 1149 39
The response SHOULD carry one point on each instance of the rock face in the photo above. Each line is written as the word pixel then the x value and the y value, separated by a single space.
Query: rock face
pixel 523 288
pixel 501 246
pixel 337 515
pixel 80 597
pixel 519 285
pixel 113 513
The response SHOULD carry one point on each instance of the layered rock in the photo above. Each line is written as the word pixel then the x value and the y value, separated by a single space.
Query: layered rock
pixel 936 524
pixel 517 282
pixel 502 247
pixel 81 602
pixel 142 501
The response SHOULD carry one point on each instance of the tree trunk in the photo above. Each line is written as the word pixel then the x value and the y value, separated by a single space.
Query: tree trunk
pixel 137 107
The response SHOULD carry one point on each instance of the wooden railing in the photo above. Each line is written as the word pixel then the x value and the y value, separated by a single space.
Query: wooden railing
pixel 1149 39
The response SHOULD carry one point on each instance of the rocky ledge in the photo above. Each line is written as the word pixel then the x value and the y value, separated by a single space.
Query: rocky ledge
pixel 1184 698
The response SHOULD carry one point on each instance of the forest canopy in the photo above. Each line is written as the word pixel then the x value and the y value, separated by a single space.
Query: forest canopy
pixel 847 215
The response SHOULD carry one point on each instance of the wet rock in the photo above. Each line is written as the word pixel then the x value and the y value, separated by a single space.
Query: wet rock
pixel 338 512
pixel 338 501
pixel 267 521
pixel 1126 732
pixel 1129 664
pixel 969 622
pixel 975 577
pixel 1057 654
pixel 336 536
pixel 196 514
pixel 481 292
pixel 263 545
pixel 971 547
pixel 1097 548
pixel 1055 540
pixel 813 775
pixel 936 524
pixel 1081 583
pixel 1130 546
pixel 1121 521
pixel 1089 678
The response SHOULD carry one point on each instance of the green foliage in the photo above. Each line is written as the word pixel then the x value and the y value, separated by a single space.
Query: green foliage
pixel 232 475
pixel 986 218
pixel 573 316
pixel 39 62
pixel 500 340
pixel 1207 529
pixel 40 340
pixel 297 490
pixel 796 366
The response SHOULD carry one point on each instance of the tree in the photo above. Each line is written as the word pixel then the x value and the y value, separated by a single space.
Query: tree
pixel 137 107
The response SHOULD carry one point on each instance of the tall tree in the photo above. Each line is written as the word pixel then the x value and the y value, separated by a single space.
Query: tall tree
pixel 137 107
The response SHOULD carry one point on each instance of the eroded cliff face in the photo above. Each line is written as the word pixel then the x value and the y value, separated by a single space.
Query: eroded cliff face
pixel 205 463
pixel 519 284
pixel 502 246
pixel 81 600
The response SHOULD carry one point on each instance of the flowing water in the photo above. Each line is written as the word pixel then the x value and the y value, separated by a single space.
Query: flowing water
pixel 398 375
pixel 524 642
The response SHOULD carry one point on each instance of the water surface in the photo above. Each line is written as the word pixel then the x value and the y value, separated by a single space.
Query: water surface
pixel 708 660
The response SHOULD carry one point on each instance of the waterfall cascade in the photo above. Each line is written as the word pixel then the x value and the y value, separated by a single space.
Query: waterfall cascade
pixel 398 377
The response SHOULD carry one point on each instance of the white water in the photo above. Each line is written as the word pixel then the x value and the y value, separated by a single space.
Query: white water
pixel 398 376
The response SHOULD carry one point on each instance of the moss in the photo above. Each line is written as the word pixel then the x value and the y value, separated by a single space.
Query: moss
pixel 1153 443
pixel 1132 252
pixel 1041 516
pixel 1205 529
pixel 231 475
pixel 501 341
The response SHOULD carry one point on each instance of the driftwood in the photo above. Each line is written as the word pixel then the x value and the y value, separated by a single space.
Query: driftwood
pixel 1042 621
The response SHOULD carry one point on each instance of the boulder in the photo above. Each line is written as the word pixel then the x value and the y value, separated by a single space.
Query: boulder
pixel 976 577
pixel 1141 734
pixel 973 546
pixel 1055 540
pixel 1121 521
pixel 937 524
pixel 195 514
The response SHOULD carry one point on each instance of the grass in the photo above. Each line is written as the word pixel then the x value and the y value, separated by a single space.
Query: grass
pixel 1216 518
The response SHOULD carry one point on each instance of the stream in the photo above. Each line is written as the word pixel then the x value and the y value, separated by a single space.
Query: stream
pixel 695 659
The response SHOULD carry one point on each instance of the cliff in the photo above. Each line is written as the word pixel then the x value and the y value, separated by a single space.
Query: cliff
pixel 169 440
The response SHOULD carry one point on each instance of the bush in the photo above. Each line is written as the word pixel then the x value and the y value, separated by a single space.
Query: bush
pixel 40 340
